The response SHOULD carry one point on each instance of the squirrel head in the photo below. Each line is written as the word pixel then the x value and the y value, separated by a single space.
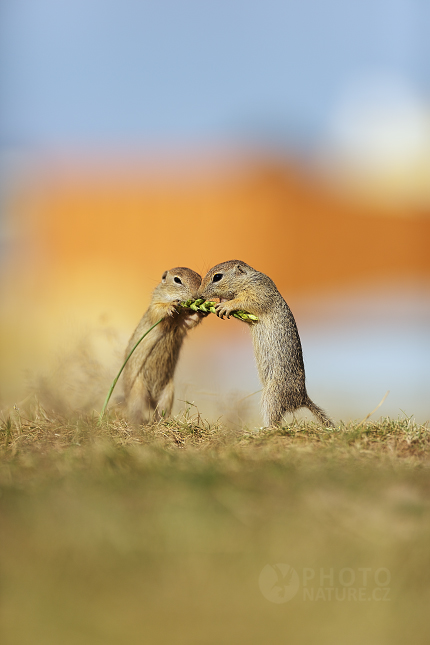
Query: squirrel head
pixel 180 283
pixel 226 280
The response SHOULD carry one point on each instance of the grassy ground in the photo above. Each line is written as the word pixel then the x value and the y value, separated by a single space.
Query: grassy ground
pixel 159 535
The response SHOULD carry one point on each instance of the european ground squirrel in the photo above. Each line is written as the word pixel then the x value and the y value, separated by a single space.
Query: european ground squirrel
pixel 277 346
pixel 148 375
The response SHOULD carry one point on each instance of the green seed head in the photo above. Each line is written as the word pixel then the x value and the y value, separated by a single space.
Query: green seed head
pixel 209 307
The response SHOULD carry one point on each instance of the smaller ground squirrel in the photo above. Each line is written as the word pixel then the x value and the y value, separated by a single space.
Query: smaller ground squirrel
pixel 148 375
pixel 277 346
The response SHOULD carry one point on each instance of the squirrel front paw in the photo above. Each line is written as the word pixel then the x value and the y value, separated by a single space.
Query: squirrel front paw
pixel 193 319
pixel 172 308
pixel 224 309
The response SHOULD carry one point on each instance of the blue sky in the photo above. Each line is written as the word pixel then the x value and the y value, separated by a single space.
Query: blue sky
pixel 135 72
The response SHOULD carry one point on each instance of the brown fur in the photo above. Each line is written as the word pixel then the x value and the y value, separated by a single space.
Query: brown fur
pixel 148 375
pixel 277 346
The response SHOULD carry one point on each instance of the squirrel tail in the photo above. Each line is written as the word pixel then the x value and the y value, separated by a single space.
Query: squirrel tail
pixel 322 417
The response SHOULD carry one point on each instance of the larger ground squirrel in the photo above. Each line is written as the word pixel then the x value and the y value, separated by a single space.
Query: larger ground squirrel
pixel 277 346
pixel 148 375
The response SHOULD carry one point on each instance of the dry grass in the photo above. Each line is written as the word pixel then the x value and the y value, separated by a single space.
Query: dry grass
pixel 33 429
pixel 113 534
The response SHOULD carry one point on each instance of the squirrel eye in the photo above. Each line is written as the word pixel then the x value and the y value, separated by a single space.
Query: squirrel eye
pixel 217 277
pixel 178 280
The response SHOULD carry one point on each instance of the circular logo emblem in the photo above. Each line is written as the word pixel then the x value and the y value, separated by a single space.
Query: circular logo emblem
pixel 278 582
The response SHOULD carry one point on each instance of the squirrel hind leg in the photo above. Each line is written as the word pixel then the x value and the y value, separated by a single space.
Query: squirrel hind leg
pixel 165 401
pixel 271 405
pixel 278 400
pixel 138 403
pixel 322 417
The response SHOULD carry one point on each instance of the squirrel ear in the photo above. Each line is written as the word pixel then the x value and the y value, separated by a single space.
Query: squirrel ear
pixel 239 269
pixel 163 277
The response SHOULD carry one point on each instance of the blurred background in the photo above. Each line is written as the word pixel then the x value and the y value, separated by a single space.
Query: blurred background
pixel 139 136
